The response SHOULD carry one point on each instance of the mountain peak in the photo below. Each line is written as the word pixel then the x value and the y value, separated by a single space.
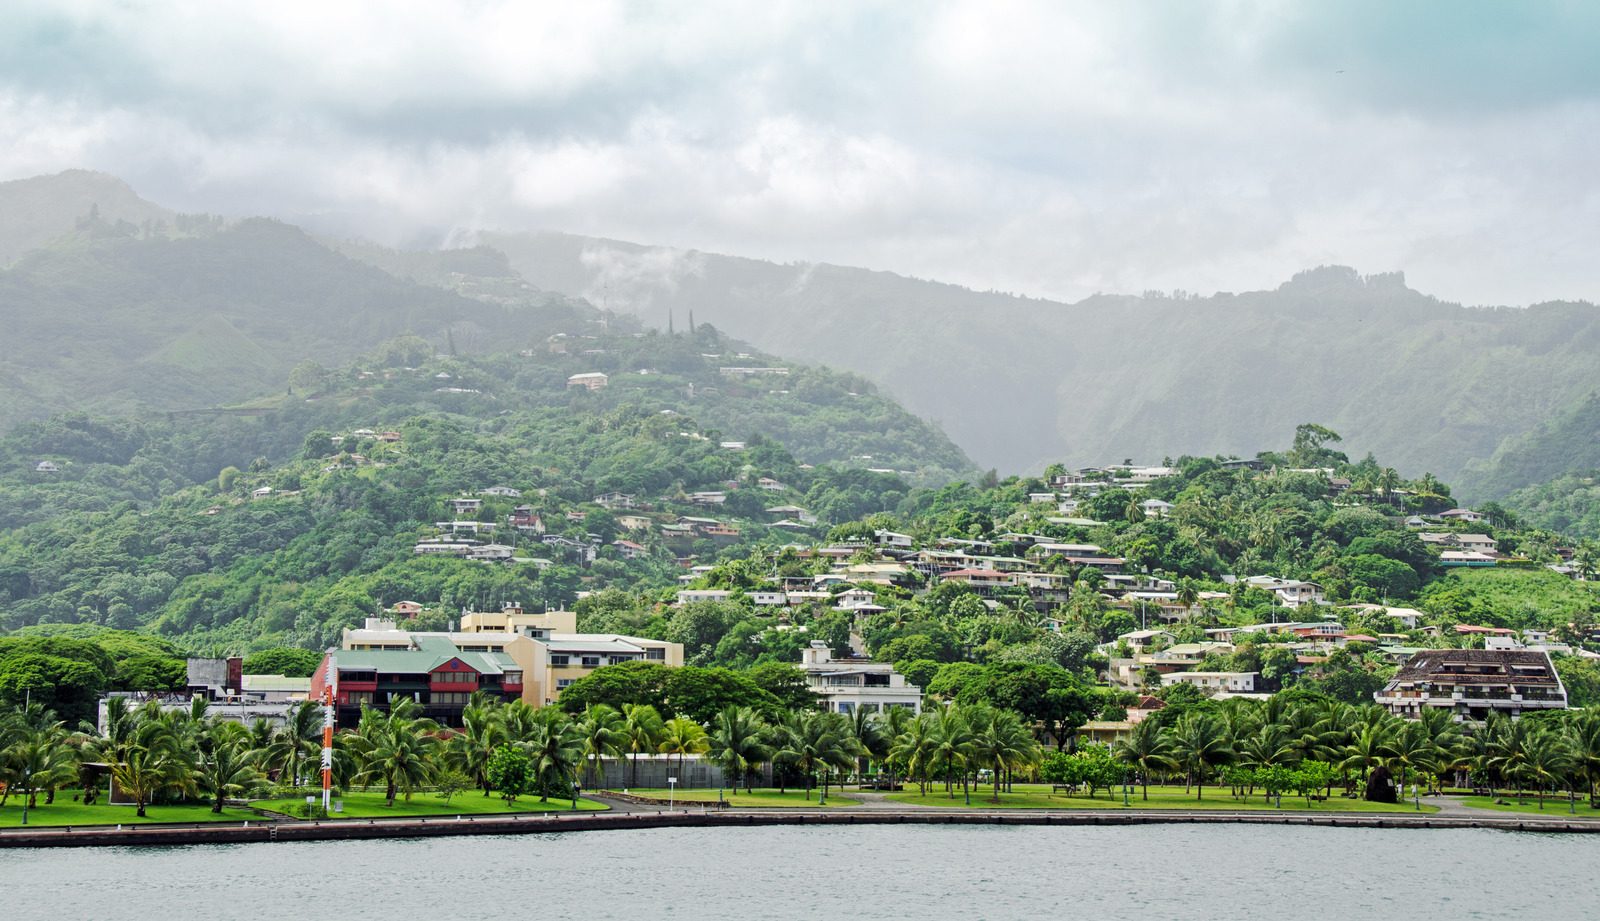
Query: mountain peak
pixel 40 209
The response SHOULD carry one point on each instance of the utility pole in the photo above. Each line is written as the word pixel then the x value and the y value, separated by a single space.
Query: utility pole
pixel 27 769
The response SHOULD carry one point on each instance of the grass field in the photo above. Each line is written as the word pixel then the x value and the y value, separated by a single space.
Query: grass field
pixel 370 805
pixel 1553 805
pixel 66 812
pixel 1038 796
pixel 738 798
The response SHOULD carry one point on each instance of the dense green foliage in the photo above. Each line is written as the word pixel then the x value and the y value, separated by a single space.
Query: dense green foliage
pixel 1428 385
pixel 1569 503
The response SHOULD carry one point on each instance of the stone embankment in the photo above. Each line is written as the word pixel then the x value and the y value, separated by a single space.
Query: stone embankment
pixel 346 829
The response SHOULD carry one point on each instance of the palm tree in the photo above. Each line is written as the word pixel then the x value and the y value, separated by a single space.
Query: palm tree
pixel 1412 748
pixel 1270 746
pixel 555 748
pixel 913 749
pixel 1147 749
pixel 952 740
pixel 1505 750
pixel 227 764
pixel 604 733
pixel 1388 482
pixel 297 739
pixel 151 763
pixel 682 736
pixel 518 720
pixel 481 733
pixel 1188 595
pixel 1199 743
pixel 822 743
pixel 1366 749
pixel 868 731
pixel 642 726
pixel 396 748
pixel 737 742
pixel 1547 760
pixel 37 758
pixel 1583 740
pixel 1001 743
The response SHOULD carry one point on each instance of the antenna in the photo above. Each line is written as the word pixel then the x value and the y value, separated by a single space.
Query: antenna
pixel 329 695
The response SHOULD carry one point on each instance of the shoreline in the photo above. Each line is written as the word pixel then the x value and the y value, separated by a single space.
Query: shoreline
pixel 450 826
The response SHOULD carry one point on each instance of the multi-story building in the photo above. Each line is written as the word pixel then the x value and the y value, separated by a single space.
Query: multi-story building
pixel 512 654
pixel 848 686
pixel 1473 683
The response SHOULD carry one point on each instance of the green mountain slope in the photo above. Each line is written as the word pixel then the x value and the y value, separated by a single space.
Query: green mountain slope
pixel 127 535
pixel 116 321
pixel 1429 385
pixel 43 208
pixel 1568 442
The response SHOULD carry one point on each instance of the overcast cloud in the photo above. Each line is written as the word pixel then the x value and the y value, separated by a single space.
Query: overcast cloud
pixel 1044 148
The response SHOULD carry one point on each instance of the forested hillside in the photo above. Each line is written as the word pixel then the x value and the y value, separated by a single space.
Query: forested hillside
pixel 603 510
pixel 116 318
pixel 1430 386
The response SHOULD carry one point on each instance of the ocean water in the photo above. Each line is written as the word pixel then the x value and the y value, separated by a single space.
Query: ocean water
pixel 1151 873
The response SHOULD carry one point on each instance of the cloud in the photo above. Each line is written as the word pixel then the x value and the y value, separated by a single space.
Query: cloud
pixel 1045 148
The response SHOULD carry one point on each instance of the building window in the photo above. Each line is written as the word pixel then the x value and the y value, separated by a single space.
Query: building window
pixel 591 661
pixel 561 683
pixel 511 678
pixel 558 660
pixel 655 654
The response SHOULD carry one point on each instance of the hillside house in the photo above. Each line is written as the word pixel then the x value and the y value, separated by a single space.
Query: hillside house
pixel 629 550
pixel 590 380
pixel 491 553
pixel 696 595
pixel 1156 508
pixel 1466 558
pixel 850 686
pixel 1231 683
pixel 1473 683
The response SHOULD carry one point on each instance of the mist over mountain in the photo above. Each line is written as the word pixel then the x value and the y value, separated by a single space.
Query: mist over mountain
pixel 1020 382
pixel 37 210
pixel 181 311
pixel 195 313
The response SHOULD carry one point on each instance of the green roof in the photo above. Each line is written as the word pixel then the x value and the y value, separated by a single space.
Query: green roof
pixel 433 652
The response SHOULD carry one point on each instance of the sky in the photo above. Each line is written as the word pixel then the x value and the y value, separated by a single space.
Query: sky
pixel 1053 149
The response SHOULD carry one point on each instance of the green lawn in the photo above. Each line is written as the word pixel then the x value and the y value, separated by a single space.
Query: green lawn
pixel 790 798
pixel 1038 796
pixel 1554 806
pixel 370 805
pixel 66 812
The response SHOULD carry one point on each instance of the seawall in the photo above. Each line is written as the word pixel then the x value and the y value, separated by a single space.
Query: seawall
pixel 349 829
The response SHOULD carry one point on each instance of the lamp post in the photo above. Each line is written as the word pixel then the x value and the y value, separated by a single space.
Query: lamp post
pixel 27 770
